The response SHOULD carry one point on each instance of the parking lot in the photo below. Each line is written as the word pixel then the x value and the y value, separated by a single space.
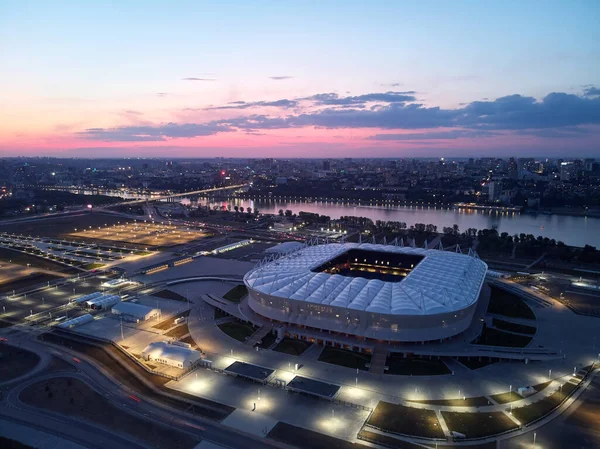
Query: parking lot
pixel 141 233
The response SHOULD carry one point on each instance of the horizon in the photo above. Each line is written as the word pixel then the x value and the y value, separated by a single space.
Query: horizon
pixel 295 80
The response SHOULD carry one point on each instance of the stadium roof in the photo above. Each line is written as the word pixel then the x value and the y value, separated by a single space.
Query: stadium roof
pixel 442 282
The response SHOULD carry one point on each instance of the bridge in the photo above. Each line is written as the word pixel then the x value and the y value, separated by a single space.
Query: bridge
pixel 184 194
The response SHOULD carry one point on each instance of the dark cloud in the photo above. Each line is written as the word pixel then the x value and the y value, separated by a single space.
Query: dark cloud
pixel 280 78
pixel 198 79
pixel 591 91
pixel 244 105
pixel 332 99
pixel 154 133
pixel 557 113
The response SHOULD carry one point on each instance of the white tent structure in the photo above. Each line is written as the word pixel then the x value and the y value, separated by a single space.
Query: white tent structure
pixel 175 354
pixel 130 311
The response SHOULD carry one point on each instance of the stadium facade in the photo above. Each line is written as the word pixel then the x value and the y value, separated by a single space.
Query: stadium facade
pixel 380 292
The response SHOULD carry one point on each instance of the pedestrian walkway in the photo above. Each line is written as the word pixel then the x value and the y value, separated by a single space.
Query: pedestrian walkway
pixel 378 360
pixel 257 336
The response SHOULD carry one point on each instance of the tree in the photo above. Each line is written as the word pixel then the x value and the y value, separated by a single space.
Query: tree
pixel 229 207
pixel 281 212
pixel 236 209
pixel 242 209
pixel 288 213
pixel 248 210
pixel 255 211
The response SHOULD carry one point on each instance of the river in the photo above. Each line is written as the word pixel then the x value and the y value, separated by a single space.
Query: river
pixel 572 230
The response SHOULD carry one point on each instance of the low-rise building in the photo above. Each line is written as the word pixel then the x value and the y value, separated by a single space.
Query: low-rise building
pixel 134 312
pixel 176 354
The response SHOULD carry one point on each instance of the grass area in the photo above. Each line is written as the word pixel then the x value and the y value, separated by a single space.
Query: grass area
pixel 542 386
pixel 343 357
pixel 267 340
pixel 27 282
pixel 474 363
pixel 386 441
pixel 404 420
pixel 170 294
pixel 505 398
pixel 236 293
pixel 170 322
pixel 508 304
pixel 220 314
pixel 512 327
pixel 189 340
pixel 72 397
pixel 20 258
pixel 93 266
pixel 476 425
pixel 495 337
pixel 478 401
pixel 292 346
pixel 238 330
pixel 178 331
pixel 308 439
pixel 15 362
pixel 414 366
pixel 539 409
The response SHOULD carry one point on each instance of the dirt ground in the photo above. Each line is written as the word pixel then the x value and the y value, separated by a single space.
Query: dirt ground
pixel 72 397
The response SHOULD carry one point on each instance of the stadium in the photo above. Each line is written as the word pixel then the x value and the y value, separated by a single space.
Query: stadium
pixel 371 291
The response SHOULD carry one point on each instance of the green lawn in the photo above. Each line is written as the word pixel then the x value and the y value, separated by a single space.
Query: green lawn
pixel 238 330
pixel 93 266
pixel 512 327
pixel 476 425
pixel 236 293
pixel 414 366
pixel 292 346
pixel 343 357
pixel 397 418
pixel 495 337
pixel 541 408
pixel 505 398
pixel 508 304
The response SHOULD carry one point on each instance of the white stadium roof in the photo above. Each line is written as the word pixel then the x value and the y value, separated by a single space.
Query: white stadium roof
pixel 442 282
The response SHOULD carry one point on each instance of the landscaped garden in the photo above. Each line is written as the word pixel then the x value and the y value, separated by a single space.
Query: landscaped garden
pixel 396 418
pixel 292 346
pixel 236 293
pixel 414 366
pixel 508 304
pixel 343 357
pixel 238 330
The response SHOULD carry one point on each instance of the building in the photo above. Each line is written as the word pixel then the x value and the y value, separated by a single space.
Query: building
pixel 130 311
pixel 494 188
pixel 379 292
pixel 176 354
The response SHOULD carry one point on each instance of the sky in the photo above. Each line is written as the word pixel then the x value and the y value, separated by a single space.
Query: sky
pixel 300 78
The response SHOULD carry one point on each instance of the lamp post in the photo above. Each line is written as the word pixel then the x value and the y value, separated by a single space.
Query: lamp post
pixel 534 437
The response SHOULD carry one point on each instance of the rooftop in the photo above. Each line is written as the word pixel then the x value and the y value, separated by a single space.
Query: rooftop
pixel 441 282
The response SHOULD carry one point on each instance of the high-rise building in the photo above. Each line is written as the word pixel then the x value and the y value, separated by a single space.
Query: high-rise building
pixel 326 165
pixel 513 168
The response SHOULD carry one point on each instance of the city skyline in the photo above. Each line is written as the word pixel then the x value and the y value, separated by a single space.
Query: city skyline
pixel 297 80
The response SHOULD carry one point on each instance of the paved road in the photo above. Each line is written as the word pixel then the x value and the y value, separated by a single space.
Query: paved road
pixel 92 436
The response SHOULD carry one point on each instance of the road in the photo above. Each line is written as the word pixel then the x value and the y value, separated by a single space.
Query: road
pixel 90 435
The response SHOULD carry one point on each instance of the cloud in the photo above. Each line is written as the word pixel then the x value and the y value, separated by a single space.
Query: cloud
pixel 156 133
pixel 386 111
pixel 132 112
pixel 162 94
pixel 280 78
pixel 284 103
pixel 198 79
pixel 591 91
pixel 332 99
